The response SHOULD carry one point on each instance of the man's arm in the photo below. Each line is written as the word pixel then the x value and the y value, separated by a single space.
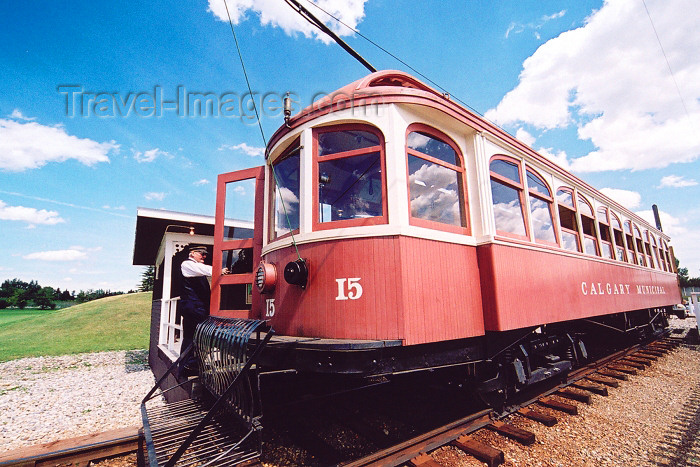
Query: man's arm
pixel 194 269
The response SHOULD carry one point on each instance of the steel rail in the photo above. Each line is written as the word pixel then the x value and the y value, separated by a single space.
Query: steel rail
pixel 407 450
pixel 77 451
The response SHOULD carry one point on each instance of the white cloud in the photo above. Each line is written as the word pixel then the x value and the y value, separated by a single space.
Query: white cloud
pixel 30 145
pixel 560 158
pixel 18 115
pixel 517 28
pixel 684 238
pixel 252 151
pixel 610 79
pixel 629 199
pixel 29 215
pixel 201 182
pixel 82 248
pixel 676 181
pixel 671 225
pixel 152 195
pixel 278 14
pixel 57 255
pixel 524 136
pixel 150 155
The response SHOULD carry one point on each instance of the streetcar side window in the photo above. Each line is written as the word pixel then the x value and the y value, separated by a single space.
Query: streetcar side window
pixel 590 243
pixel 667 257
pixel 285 192
pixel 655 249
pixel 631 256
pixel 507 194
pixel 604 230
pixel 641 259
pixel 647 249
pixel 541 201
pixel 436 185
pixel 567 219
pixel 349 176
pixel 617 237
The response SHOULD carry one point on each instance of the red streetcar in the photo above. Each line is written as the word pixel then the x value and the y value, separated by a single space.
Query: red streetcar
pixel 397 231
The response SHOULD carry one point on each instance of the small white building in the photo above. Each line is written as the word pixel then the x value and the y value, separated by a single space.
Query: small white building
pixel 162 239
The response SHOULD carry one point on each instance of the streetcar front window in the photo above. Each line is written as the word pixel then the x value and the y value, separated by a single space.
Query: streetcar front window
pixel 435 178
pixel 349 172
pixel 286 192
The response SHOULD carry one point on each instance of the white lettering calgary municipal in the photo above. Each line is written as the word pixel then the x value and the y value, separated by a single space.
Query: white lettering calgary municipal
pixel 608 288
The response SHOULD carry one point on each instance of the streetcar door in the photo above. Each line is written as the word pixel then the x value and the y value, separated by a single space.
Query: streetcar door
pixel 237 243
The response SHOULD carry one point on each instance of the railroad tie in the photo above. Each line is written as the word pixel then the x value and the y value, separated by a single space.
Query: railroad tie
pixel 571 394
pixel 594 388
pixel 632 364
pixel 543 418
pixel 513 432
pixel 613 374
pixel 645 355
pixel 651 353
pixel 424 460
pixel 622 368
pixel 640 360
pixel 558 405
pixel 485 453
pixel 605 381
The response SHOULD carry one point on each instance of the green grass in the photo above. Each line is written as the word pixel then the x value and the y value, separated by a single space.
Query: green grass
pixel 121 322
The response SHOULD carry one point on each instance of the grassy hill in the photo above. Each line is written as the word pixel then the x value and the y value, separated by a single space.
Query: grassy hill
pixel 120 322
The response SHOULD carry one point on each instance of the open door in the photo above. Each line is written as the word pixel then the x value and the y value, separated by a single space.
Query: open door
pixel 237 243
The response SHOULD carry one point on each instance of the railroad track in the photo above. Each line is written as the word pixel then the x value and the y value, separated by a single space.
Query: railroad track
pixel 595 378
pixel 76 452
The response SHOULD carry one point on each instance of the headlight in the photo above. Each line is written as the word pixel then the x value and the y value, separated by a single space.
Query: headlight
pixel 265 277
pixel 296 273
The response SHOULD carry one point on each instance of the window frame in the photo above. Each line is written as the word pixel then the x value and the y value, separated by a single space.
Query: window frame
pixel 647 248
pixel 519 187
pixel 287 153
pixel 667 255
pixel 639 245
pixel 604 225
pixel 655 250
pixel 465 228
pixel 574 209
pixel 316 160
pixel 547 199
pixel 621 231
pixel 579 201
pixel 631 249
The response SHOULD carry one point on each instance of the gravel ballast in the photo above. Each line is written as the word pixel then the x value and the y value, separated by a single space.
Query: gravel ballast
pixel 653 419
pixel 45 399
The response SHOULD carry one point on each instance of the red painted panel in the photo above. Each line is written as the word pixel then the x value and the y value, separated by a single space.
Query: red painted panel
pixel 442 289
pixel 526 287
pixel 412 289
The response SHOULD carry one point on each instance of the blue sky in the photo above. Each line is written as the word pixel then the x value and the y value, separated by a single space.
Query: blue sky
pixel 84 140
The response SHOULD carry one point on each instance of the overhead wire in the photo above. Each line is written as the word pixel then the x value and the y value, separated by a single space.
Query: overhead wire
pixel 441 88
pixel 668 64
pixel 262 132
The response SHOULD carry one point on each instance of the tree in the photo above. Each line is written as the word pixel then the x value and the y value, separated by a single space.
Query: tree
pixel 148 279
pixel 44 299
pixel 683 276
pixel 20 298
